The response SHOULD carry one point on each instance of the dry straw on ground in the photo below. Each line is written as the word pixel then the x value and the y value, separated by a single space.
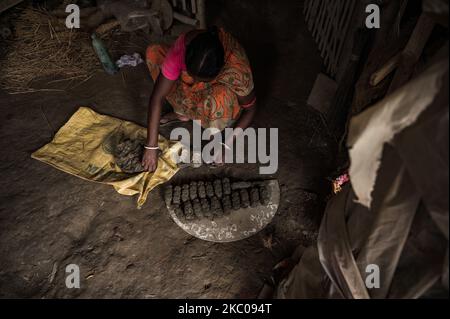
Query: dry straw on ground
pixel 43 48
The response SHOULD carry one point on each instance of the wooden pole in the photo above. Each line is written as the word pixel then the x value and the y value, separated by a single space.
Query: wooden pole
pixel 385 70
pixel 184 19
pixel 413 51
pixel 201 14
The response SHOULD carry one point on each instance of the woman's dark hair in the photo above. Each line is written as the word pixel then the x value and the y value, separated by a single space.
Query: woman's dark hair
pixel 205 55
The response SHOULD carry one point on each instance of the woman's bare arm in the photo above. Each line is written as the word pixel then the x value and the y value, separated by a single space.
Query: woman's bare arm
pixel 248 114
pixel 160 91
pixel 245 120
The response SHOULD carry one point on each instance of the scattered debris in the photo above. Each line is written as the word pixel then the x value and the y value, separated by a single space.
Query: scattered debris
pixel 138 15
pixel 52 275
pixel 339 182
pixel 129 60
pixel 106 27
pixel 89 276
pixel 268 241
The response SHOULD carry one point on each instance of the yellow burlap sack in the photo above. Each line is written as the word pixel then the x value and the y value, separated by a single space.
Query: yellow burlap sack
pixel 83 147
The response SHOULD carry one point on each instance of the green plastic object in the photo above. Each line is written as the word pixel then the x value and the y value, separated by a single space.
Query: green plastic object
pixel 102 52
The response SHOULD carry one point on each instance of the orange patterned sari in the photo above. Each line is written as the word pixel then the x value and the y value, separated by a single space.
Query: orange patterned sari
pixel 214 103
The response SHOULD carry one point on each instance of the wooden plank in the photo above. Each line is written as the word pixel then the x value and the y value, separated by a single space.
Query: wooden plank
pixel 184 19
pixel 183 5
pixel 385 70
pixel 412 51
pixel 201 14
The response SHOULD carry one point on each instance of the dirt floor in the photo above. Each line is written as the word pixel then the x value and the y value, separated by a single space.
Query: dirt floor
pixel 49 219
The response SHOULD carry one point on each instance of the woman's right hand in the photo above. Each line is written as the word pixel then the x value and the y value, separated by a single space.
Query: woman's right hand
pixel 150 160
pixel 162 88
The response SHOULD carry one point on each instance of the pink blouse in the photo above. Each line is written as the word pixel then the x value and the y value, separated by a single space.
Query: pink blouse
pixel 174 62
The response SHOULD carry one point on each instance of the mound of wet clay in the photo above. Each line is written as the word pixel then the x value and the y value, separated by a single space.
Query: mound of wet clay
pixel 128 155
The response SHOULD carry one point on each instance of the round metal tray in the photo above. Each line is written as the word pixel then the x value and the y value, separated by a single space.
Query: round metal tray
pixel 239 224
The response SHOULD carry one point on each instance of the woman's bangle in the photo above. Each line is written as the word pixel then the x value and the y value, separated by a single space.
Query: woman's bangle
pixel 151 147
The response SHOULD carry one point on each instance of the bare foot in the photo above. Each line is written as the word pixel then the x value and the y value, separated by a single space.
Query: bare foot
pixel 172 116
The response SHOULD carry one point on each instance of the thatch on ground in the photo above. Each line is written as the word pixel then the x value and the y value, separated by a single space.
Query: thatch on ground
pixel 44 48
